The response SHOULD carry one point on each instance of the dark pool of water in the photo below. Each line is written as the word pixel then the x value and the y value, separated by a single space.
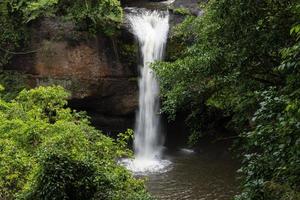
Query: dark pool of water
pixel 206 175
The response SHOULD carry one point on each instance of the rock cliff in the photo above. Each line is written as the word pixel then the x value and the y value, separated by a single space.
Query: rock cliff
pixel 89 67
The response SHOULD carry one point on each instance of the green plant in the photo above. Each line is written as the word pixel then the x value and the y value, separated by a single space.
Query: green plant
pixel 181 11
pixel 48 151
pixel 13 82
pixel 16 16
pixel 243 57
pixel 94 16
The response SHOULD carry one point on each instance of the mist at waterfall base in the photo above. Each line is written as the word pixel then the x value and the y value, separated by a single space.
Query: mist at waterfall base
pixel 151 30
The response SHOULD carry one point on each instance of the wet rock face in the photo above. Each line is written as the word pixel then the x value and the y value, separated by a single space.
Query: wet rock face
pixel 89 67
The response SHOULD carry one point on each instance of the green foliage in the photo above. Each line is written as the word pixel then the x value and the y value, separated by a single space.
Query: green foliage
pixel 31 10
pixel 104 15
pixel 243 57
pixel 13 82
pixel 181 11
pixel 48 151
pixel 273 146
pixel 127 52
pixel 17 15
pixel 123 140
pixel 12 32
pixel 232 49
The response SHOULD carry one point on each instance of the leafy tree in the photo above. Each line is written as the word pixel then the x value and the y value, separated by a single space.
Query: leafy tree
pixel 104 15
pixel 243 57
pixel 12 33
pixel 48 151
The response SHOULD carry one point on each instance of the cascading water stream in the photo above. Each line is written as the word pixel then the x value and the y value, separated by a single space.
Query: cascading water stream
pixel 151 30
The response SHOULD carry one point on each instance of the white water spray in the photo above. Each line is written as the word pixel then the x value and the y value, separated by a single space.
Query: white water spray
pixel 151 30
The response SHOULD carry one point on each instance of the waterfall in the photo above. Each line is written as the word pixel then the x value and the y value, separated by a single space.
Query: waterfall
pixel 151 30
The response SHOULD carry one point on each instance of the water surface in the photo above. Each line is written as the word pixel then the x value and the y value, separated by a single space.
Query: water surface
pixel 207 175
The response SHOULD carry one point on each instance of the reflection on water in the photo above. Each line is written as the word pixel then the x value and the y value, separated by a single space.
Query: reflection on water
pixel 207 175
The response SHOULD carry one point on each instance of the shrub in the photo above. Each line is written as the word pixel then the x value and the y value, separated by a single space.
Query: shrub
pixel 48 151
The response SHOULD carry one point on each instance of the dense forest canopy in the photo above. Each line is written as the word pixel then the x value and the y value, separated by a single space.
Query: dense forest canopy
pixel 243 57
